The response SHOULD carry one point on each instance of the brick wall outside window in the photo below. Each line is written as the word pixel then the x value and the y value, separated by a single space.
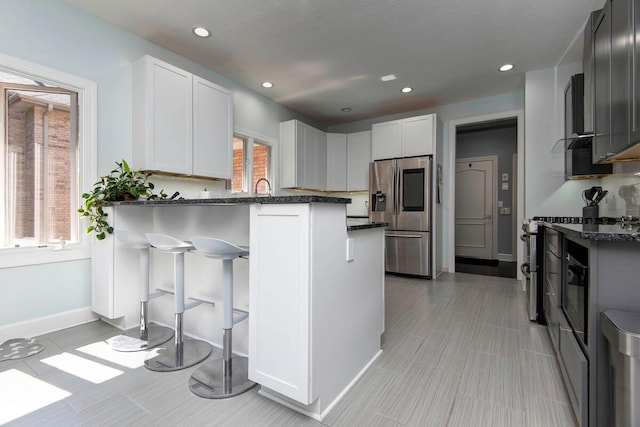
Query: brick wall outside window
pixel 260 165
pixel 26 145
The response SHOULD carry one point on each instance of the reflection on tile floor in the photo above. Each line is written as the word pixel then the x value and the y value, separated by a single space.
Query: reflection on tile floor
pixel 458 351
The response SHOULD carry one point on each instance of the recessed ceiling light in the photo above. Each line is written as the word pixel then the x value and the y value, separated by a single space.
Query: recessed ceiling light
pixel 506 67
pixel 201 32
pixel 345 109
pixel 406 89
pixel 267 85
pixel 388 78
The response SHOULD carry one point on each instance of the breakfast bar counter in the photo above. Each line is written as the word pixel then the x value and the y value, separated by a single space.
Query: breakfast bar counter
pixel 313 287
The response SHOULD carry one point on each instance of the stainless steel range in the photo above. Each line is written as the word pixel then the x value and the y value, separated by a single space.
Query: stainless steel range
pixel 534 253
pixel 532 269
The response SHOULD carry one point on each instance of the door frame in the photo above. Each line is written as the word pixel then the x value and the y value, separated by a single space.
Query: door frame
pixel 494 206
pixel 453 124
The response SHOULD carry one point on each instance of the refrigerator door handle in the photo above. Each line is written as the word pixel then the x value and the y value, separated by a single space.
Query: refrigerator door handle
pixel 396 190
pixel 406 236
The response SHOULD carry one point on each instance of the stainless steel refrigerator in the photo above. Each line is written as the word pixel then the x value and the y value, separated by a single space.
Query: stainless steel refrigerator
pixel 400 194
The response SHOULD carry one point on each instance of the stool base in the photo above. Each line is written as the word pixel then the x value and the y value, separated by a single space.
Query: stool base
pixel 173 358
pixel 131 340
pixel 209 381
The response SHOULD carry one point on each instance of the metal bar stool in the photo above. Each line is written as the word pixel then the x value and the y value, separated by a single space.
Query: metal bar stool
pixel 229 375
pixel 147 335
pixel 184 352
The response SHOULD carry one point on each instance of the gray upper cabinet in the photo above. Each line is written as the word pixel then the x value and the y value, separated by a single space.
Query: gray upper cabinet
pixel 635 74
pixel 602 85
pixel 615 78
pixel 587 69
pixel 619 75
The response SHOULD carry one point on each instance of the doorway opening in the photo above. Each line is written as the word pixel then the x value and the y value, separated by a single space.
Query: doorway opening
pixel 486 197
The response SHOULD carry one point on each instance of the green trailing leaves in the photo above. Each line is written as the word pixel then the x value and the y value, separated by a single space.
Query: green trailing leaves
pixel 121 184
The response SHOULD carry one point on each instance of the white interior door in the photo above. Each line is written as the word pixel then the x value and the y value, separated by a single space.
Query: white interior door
pixel 475 218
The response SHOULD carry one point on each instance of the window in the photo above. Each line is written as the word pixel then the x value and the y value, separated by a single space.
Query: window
pixel 48 148
pixel 40 162
pixel 251 162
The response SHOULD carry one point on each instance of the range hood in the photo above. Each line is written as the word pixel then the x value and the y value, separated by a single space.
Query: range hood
pixel 578 158
pixel 576 141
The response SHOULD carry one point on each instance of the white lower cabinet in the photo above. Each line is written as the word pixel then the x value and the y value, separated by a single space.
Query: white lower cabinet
pixel 315 317
pixel 115 268
pixel 279 301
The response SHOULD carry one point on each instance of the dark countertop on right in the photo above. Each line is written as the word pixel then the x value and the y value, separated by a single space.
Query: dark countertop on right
pixel 362 223
pixel 608 233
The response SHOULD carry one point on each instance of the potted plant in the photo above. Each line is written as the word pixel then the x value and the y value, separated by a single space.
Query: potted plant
pixel 121 184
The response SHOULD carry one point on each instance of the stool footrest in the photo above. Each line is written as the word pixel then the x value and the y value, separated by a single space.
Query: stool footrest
pixel 239 315
pixel 158 293
pixel 194 302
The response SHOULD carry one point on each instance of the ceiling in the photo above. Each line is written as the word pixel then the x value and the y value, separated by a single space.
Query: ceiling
pixel 324 55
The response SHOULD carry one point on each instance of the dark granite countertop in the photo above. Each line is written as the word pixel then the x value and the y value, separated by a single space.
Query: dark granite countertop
pixel 354 224
pixel 609 233
pixel 239 201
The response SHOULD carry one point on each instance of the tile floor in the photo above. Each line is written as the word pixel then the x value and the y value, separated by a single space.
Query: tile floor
pixel 458 351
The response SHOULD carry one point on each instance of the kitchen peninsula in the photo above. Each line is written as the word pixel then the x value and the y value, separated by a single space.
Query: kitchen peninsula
pixel 313 287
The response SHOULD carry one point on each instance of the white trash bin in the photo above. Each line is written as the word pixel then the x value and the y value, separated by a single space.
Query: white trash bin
pixel 622 330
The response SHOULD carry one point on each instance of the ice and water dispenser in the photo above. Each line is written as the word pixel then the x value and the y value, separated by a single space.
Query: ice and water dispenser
pixel 378 202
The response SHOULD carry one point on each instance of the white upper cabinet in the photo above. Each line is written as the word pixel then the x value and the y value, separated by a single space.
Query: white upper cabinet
pixel 303 156
pixel 386 140
pixel 182 124
pixel 358 158
pixel 417 136
pixel 337 161
pixel 316 158
pixel 348 157
pixel 212 130
pixel 403 138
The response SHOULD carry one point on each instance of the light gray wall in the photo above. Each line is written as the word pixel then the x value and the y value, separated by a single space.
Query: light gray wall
pixel 43 290
pixel 502 142
pixel 508 102
pixel 546 191
pixel 54 34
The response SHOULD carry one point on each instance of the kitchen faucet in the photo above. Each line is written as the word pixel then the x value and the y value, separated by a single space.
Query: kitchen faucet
pixel 255 191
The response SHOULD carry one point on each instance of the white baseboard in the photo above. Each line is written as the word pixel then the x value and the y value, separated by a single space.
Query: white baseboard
pixel 46 324
pixel 312 411
pixel 506 257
